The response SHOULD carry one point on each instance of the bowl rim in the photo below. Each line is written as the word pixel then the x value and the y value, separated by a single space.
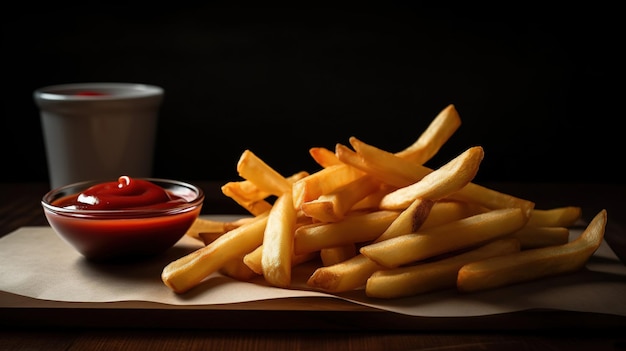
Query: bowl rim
pixel 124 213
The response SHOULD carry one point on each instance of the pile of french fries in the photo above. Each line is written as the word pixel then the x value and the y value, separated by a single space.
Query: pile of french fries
pixel 384 223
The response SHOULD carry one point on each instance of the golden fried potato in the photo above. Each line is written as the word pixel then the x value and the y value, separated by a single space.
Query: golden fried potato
pixel 188 271
pixel 565 216
pixel 431 276
pixel 356 228
pixel 384 223
pixel 278 242
pixel 533 264
pixel 440 129
pixel 446 238
pixel 438 184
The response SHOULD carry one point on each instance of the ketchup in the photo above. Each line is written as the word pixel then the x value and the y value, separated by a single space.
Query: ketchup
pixel 90 93
pixel 126 193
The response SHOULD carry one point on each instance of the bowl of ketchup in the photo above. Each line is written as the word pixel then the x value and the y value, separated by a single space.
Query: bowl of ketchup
pixel 123 219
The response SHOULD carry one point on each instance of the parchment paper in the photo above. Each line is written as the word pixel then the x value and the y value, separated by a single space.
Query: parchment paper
pixel 36 263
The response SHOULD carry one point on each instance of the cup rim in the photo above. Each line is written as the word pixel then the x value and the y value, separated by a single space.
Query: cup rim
pixel 67 92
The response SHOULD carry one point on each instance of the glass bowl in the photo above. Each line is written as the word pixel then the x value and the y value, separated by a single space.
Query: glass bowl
pixel 123 234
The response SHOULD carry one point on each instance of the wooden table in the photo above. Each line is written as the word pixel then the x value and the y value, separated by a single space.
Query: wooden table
pixel 315 328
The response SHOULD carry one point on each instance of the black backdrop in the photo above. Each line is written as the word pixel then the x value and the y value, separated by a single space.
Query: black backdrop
pixel 541 92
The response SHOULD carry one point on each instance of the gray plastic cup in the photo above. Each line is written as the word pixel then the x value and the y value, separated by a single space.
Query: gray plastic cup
pixel 98 130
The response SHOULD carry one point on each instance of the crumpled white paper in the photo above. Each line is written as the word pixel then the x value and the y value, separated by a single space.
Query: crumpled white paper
pixel 36 263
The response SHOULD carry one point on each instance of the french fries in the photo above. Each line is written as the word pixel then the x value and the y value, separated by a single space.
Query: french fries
pixel 188 271
pixel 253 260
pixel 201 225
pixel 333 206
pixel 344 276
pixel 356 228
pixel 431 276
pixel 555 217
pixel 449 237
pixel 237 269
pixel 535 263
pixel 247 194
pixel 323 182
pixel 399 172
pixel 383 223
pixel 434 137
pixel 278 242
pixel 337 254
pixel 324 157
pixel 202 228
pixel 353 272
pixel 531 237
pixel 252 168
pixel 438 184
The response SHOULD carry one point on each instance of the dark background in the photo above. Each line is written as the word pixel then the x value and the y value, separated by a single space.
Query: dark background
pixel 541 91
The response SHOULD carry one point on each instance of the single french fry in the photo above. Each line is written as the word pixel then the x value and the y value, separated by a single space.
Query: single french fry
pixel 253 259
pixel 333 206
pixel 434 137
pixel 230 225
pixel 531 237
pixel 244 190
pixel 446 238
pixel 444 211
pixel 248 192
pixel 249 196
pixel 255 208
pixel 533 264
pixel 201 225
pixel 237 269
pixel 324 157
pixel 258 208
pixel 254 169
pixel 209 230
pixel 565 216
pixel 438 184
pixel 337 254
pixel 432 276
pixel 354 228
pixel 209 237
pixel 190 270
pixel 344 276
pixel 278 242
pixel 386 168
pixel 492 199
pixel 320 211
